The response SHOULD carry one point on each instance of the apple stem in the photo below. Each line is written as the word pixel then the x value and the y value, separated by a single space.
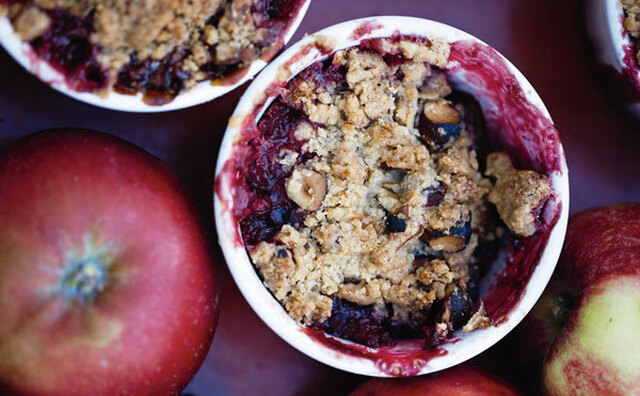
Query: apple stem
pixel 83 279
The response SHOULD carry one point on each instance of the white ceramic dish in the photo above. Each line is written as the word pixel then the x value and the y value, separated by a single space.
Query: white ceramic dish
pixel 201 93
pixel 296 59
pixel 614 50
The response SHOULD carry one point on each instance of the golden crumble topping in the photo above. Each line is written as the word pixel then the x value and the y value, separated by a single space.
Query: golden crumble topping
pixel 632 19
pixel 393 212
pixel 31 23
pixel 517 193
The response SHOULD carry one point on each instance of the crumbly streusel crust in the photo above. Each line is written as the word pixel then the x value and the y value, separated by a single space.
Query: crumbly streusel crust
pixel 154 28
pixel 370 164
pixel 517 193
pixel 632 19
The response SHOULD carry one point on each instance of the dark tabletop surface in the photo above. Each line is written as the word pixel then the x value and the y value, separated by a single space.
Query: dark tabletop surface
pixel 545 39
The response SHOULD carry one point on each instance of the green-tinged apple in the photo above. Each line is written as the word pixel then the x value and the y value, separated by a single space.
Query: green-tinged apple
pixel 582 335
pixel 461 380
pixel 107 280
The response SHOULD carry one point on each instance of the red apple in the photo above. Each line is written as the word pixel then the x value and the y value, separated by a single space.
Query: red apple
pixel 586 323
pixel 457 381
pixel 107 282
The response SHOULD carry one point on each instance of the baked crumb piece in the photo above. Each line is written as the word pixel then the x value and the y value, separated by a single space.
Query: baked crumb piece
pixel 632 19
pixel 479 320
pixel 385 205
pixel 31 23
pixel 517 193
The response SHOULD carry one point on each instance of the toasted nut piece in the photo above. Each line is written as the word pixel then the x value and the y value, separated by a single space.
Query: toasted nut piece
pixel 388 200
pixel 447 243
pixel 452 241
pixel 441 112
pixel 307 188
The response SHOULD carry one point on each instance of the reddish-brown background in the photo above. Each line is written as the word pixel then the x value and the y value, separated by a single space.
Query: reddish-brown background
pixel 545 39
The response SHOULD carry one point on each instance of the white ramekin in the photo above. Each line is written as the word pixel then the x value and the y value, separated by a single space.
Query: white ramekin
pixel 614 50
pixel 201 93
pixel 255 100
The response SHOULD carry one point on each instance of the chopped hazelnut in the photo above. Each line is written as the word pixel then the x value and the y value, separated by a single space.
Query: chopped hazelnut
pixel 307 188
pixel 454 240
pixel 441 112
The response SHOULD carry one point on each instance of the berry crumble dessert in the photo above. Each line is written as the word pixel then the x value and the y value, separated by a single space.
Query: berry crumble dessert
pixel 156 47
pixel 368 199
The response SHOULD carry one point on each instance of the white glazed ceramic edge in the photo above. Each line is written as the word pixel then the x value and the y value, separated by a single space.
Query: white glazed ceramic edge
pixel 245 276
pixel 201 93
pixel 608 34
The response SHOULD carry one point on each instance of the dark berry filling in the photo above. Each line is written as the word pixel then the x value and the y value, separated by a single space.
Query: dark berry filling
pixel 357 323
pixel 366 326
pixel 460 306
pixel 267 12
pixel 435 195
pixel 269 207
pixel 474 123
pixel 274 15
pixel 325 75
pixel 67 48
pixel 395 223
pixel 159 80
pixel 216 71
